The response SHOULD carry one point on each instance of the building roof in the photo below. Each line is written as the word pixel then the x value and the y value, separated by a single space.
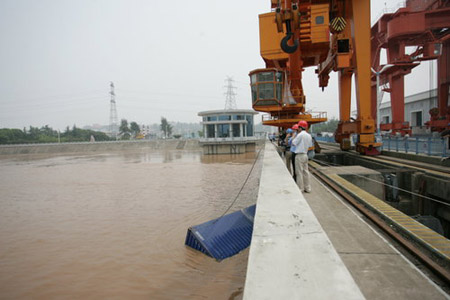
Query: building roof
pixel 227 112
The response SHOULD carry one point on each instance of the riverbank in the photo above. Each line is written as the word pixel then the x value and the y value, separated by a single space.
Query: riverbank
pixel 191 144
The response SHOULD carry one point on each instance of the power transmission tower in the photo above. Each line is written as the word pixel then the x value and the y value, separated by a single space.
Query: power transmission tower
pixel 113 121
pixel 230 99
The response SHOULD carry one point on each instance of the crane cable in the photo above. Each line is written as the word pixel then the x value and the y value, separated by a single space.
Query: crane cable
pixel 243 185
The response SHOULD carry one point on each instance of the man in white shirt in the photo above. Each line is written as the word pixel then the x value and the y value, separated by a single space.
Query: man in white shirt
pixel 302 142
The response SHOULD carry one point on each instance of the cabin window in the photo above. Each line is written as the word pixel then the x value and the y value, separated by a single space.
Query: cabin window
pixel 254 92
pixel 267 87
pixel 343 46
pixel 279 91
pixel 265 91
pixel 279 77
pixel 320 20
pixel 265 76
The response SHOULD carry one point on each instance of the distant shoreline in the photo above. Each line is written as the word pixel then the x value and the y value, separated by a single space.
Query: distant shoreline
pixel 191 144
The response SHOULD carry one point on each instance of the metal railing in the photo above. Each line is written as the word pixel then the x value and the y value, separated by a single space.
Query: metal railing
pixel 416 145
pixel 314 115
pixel 230 139
pixel 326 139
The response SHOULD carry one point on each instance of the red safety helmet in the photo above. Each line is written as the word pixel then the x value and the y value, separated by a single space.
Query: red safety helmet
pixel 295 127
pixel 303 124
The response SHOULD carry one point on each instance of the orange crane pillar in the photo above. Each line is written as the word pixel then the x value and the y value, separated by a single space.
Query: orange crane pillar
pixel 361 41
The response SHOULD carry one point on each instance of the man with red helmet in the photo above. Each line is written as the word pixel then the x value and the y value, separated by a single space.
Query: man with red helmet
pixel 302 142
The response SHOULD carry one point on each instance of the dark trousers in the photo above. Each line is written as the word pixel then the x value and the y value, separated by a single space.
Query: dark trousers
pixel 293 166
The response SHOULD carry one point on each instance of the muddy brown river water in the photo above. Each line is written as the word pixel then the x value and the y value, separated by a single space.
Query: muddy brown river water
pixel 112 225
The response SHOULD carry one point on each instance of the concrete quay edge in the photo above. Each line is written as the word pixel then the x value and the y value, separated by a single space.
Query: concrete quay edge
pixel 291 257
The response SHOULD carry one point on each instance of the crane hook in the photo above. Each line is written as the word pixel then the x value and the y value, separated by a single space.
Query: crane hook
pixel 285 46
pixel 284 42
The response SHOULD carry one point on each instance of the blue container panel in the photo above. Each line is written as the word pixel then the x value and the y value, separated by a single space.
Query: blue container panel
pixel 225 236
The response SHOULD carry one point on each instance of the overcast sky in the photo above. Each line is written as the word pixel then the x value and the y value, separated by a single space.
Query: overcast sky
pixel 167 59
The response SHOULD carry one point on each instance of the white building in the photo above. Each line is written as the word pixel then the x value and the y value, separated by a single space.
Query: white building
pixel 228 131
pixel 417 109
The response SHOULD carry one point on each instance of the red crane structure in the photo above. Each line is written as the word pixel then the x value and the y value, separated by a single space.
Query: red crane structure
pixel 424 24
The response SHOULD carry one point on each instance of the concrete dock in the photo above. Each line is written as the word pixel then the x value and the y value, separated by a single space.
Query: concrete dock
pixel 290 255
pixel 314 246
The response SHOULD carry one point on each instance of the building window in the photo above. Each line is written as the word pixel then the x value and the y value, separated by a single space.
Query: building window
pixel 210 131
pixel 223 130
pixel 416 118
pixel 385 120
pixel 212 118
pixel 249 119
pixel 224 117
pixel 238 117
pixel 236 130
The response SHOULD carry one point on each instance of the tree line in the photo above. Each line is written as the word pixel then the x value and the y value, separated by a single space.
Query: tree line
pixel 126 132
pixel 46 134
pixel 132 130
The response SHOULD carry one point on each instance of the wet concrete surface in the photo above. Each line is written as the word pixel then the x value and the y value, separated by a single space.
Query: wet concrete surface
pixel 380 271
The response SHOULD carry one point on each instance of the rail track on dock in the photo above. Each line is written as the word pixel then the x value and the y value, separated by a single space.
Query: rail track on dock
pixel 430 168
pixel 430 248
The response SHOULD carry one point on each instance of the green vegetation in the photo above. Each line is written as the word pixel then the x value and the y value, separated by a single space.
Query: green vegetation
pixel 126 132
pixel 46 134
pixel 134 128
pixel 166 128
pixel 329 126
